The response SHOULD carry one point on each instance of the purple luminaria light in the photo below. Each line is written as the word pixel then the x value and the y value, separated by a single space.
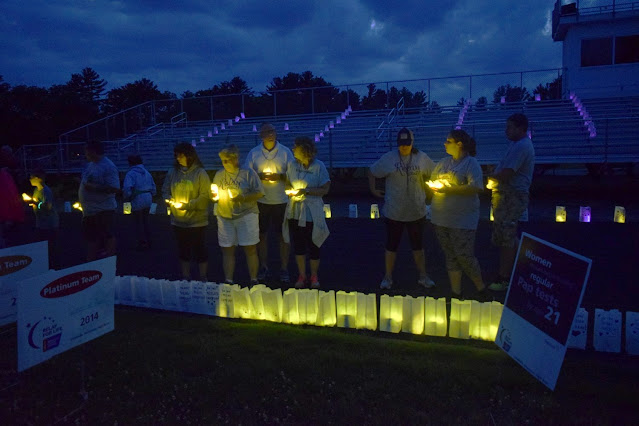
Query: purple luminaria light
pixel 254 128
pixel 201 138
pixel 537 97
pixel 230 122
pixel 458 127
pixel 222 126
pixel 572 95
pixel 316 137
pixel 215 130
pixel 331 124
pixel 321 134
pixel 529 134
pixel 242 115
pixel 503 100
pixel 326 128
pixel 343 116
pixel 237 119
pixel 193 144
pixel 209 134
pixel 338 120
pixel 285 126
pixel 350 109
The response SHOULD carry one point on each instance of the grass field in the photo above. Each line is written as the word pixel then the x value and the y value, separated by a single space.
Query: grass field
pixel 168 368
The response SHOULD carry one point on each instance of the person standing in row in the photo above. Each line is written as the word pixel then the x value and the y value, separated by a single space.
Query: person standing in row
pixel 138 189
pixel 270 160
pixel 100 182
pixel 186 190
pixel 510 184
pixel 236 190
pixel 405 170
pixel 47 220
pixel 308 182
pixel 456 182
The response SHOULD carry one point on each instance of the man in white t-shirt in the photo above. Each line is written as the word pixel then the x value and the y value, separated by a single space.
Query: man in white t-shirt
pixel 270 160
pixel 510 184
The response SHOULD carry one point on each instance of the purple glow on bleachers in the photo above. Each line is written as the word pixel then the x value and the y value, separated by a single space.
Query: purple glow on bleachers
pixel 503 100
pixel 201 138
pixel 237 119
pixel 285 126
pixel 321 134
pixel 343 116
pixel 529 135
pixel 222 126
pixel 254 128
pixel 537 97
pixel 331 125
pixel 338 120
pixel 193 144
pixel 215 130
pixel 242 115
pixel 316 137
pixel 326 128
pixel 457 127
pixel 230 122
pixel 350 109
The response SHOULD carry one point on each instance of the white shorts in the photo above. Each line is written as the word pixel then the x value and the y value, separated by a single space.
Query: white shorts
pixel 244 231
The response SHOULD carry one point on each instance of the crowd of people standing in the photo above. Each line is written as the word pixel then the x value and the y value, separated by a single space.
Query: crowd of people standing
pixel 277 193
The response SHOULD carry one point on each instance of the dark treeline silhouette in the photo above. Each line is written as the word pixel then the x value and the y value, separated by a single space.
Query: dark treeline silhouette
pixel 37 115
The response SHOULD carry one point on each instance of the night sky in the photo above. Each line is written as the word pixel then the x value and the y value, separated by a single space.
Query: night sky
pixel 195 44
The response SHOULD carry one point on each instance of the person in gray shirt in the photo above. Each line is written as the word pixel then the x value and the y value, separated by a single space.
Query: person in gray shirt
pixel 100 182
pixel 456 182
pixel 510 184
pixel 406 171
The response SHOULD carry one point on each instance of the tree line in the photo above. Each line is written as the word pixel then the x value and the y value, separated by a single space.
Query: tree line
pixel 31 114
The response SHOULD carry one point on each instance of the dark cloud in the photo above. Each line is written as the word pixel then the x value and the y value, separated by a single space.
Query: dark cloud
pixel 194 44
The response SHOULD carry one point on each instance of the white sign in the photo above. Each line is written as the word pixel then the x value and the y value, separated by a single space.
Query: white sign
pixel 16 264
pixel 546 288
pixel 59 310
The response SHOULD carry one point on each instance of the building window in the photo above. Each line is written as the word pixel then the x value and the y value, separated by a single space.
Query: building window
pixel 627 49
pixel 597 51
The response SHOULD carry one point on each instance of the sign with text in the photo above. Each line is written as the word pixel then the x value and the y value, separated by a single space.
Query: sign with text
pixel 16 264
pixel 59 310
pixel 546 288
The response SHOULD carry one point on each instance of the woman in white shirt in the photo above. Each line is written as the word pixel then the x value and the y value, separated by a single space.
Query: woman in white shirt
pixel 308 181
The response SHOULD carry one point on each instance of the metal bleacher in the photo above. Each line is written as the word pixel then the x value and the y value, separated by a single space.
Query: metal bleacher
pixel 558 129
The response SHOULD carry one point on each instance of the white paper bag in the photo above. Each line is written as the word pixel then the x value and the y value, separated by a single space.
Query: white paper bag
pixel 197 304
pixel 632 333
pixel 170 295
pixel 184 295
pixel 579 332
pixel 607 331
pixel 154 294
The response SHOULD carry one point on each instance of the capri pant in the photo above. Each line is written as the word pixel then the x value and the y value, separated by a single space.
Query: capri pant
pixel 394 231
pixel 459 248
pixel 302 237
pixel 190 243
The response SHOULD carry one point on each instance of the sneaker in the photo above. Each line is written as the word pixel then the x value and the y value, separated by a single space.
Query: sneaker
pixel 426 282
pixel 262 273
pixel 301 282
pixel 315 282
pixel 499 285
pixel 284 276
pixel 386 283
pixel 230 282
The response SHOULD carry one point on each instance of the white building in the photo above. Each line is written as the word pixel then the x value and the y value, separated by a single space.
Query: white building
pixel 600 47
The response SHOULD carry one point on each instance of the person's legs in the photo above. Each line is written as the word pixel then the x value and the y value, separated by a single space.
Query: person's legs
pixel 394 231
pixel 228 263
pixel 463 245
pixel 92 236
pixel 299 248
pixel 252 261
pixel 200 253
pixel 146 232
pixel 507 209
pixel 248 236
pixel 184 250
pixel 227 239
pixel 416 235
pixel 262 246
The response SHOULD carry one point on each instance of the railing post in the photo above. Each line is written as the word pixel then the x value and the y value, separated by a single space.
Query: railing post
pixel 211 107
pixel 312 101
pixel 274 104
pixel 330 152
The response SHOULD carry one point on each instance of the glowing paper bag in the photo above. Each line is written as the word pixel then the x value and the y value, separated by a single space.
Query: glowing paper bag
pixel 198 297
pixel 257 301
pixel 620 214
pixel 607 332
pixel 170 295
pixel 125 291
pixel 413 315
pixel 212 294
pixel 579 332
pixel 560 214
pixel 346 309
pixel 242 306
pixel 435 318
pixel 632 333
pixel 584 214
pixel 272 301
pixel 391 310
pixel 474 325
pixel 226 308
pixel 326 313
pixel 184 295
pixel 367 311
pixel 485 319
pixel 459 324
pixel 126 208
pixel 308 305
pixel 154 289
pixel 290 312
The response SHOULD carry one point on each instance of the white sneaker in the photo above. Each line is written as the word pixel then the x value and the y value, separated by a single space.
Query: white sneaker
pixel 386 284
pixel 426 282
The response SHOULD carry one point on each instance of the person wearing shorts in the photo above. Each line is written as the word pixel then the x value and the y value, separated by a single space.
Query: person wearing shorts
pixel 405 171
pixel 100 182
pixel 456 182
pixel 235 191
pixel 510 184
pixel 270 161
pixel 186 190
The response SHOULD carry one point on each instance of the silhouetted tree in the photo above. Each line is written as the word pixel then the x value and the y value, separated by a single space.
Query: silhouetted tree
pixel 512 94
pixel 550 90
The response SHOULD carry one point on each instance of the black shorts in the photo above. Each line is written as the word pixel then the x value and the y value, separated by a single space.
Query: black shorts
pixel 98 227
pixel 394 231
pixel 271 217
pixel 191 244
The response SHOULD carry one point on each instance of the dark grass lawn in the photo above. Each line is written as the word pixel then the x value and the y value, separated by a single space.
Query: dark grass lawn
pixel 169 368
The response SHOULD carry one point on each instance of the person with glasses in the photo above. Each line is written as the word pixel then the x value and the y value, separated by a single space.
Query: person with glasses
pixel 456 182
pixel 405 171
